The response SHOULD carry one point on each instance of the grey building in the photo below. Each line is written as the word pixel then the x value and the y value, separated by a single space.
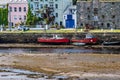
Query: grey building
pixel 98 13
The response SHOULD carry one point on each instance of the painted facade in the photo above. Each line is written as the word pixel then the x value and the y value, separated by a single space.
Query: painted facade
pixel 70 17
pixel 17 12
pixel 98 13
pixel 57 8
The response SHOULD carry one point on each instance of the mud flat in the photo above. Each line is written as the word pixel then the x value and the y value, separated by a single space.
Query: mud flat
pixel 77 66
pixel 33 45
pixel 38 45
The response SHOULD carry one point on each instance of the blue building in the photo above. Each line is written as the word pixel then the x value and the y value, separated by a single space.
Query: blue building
pixel 69 22
pixel 70 17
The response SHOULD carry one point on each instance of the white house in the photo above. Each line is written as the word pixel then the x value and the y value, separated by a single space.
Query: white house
pixel 57 8
pixel 3 3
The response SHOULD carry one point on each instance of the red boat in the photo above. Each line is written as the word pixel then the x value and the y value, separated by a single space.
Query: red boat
pixel 89 39
pixel 55 39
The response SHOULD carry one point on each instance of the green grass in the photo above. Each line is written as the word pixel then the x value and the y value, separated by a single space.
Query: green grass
pixel 105 31
pixel 65 31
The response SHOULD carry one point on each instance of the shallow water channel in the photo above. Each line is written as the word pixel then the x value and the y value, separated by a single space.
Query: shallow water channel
pixel 7 73
pixel 17 74
pixel 60 50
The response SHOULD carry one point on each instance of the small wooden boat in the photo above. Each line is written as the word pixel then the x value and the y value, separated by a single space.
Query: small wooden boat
pixel 111 43
pixel 55 39
pixel 78 44
pixel 89 39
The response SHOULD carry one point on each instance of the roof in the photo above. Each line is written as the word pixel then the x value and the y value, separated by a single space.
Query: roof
pixel 18 1
pixel 3 2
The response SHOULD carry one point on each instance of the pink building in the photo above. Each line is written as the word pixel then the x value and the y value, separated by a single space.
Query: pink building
pixel 17 12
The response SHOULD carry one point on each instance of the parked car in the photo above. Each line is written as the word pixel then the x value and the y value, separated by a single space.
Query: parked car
pixel 24 28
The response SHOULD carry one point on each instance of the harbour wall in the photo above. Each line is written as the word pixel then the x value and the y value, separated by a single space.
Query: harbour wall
pixel 32 37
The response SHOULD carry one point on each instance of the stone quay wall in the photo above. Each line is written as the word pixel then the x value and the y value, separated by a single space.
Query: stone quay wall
pixel 32 37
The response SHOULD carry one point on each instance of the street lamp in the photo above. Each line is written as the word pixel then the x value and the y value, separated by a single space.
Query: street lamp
pixel 10 25
pixel 1 26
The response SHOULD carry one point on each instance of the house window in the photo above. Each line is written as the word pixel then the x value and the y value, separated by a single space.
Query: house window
pixel 11 23
pixel 56 6
pixel 31 5
pixel 60 23
pixel 4 6
pixel 41 5
pixel 25 17
pixel 20 18
pixel 81 24
pixel 113 3
pixel 108 25
pixel 70 11
pixel 56 14
pixel 15 17
pixel 88 17
pixel 19 9
pixel 46 5
pixel 103 16
pixel 88 8
pixel 102 24
pixel 51 5
pixel 113 16
pixel 15 9
pixel 95 10
pixel 37 5
pixel 24 9
pixel 10 9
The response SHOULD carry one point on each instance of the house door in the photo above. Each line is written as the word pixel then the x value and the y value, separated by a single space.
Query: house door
pixel 70 23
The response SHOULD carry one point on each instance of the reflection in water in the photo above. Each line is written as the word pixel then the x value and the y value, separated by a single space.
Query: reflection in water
pixel 59 50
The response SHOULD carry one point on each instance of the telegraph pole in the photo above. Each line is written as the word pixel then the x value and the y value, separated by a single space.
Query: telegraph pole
pixel 9 14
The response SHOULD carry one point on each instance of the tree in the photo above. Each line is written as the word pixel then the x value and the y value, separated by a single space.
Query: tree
pixel 1 16
pixel 48 18
pixel 31 19
pixel 4 16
